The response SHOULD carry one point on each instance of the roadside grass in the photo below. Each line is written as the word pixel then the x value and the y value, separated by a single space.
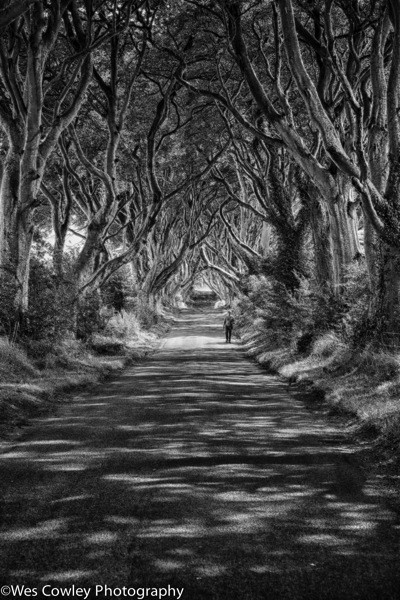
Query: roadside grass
pixel 363 387
pixel 14 363
pixel 36 379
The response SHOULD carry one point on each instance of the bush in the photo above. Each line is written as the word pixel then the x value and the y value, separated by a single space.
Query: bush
pixel 89 319
pixel 271 310
pixel 39 349
pixel 296 318
pixel 51 304
pixel 120 291
pixel 327 345
pixel 146 315
pixel 356 325
pixel 123 325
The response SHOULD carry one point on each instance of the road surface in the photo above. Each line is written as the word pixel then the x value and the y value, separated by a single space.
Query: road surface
pixel 196 470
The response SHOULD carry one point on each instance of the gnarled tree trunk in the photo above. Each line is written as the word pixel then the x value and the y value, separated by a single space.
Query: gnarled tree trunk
pixel 16 232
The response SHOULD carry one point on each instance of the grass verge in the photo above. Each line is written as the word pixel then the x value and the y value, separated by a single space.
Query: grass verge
pixel 37 379
pixel 361 388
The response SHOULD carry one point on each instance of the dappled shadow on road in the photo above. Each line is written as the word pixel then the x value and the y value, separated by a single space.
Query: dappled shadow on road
pixel 195 469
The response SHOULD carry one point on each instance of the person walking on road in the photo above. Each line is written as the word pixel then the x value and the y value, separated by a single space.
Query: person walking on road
pixel 228 326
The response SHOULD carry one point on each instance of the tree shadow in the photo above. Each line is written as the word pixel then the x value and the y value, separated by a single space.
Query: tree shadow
pixel 195 470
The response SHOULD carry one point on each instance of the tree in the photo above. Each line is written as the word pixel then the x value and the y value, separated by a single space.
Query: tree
pixel 43 85
pixel 334 83
pixel 13 10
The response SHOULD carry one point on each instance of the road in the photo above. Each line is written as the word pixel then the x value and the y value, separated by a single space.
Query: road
pixel 194 469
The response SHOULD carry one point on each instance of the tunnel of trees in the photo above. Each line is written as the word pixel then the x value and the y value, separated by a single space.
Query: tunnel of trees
pixel 149 145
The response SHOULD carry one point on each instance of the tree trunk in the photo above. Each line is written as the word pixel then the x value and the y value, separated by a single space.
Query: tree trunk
pixel 344 240
pixel 389 295
pixel 58 256
pixel 372 246
pixel 323 247
pixel 16 233
pixel 265 240
pixel 289 263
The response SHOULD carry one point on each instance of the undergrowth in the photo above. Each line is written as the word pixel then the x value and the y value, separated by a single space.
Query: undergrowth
pixel 35 376
pixel 321 343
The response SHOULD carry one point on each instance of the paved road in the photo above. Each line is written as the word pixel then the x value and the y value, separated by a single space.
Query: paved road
pixel 194 469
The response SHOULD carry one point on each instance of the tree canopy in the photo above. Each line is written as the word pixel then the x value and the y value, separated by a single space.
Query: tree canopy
pixel 201 140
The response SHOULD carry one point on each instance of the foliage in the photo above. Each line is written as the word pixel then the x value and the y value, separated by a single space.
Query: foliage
pixel 14 363
pixel 154 160
pixel 327 345
pixel 146 314
pixel 56 313
pixel 120 291
pixel 307 313
pixel 89 318
pixel 123 325
pixel 267 306
pixel 380 365
pixel 8 325
pixel 356 325
pixel 51 303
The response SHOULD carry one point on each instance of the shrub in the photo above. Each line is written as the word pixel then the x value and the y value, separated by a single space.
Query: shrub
pixel 270 309
pixel 50 313
pixel 89 319
pixel 146 315
pixel 356 325
pixel 39 349
pixel 307 313
pixel 120 291
pixel 123 325
pixel 327 345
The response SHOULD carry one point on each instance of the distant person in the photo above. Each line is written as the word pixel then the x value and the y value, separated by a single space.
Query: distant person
pixel 228 326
